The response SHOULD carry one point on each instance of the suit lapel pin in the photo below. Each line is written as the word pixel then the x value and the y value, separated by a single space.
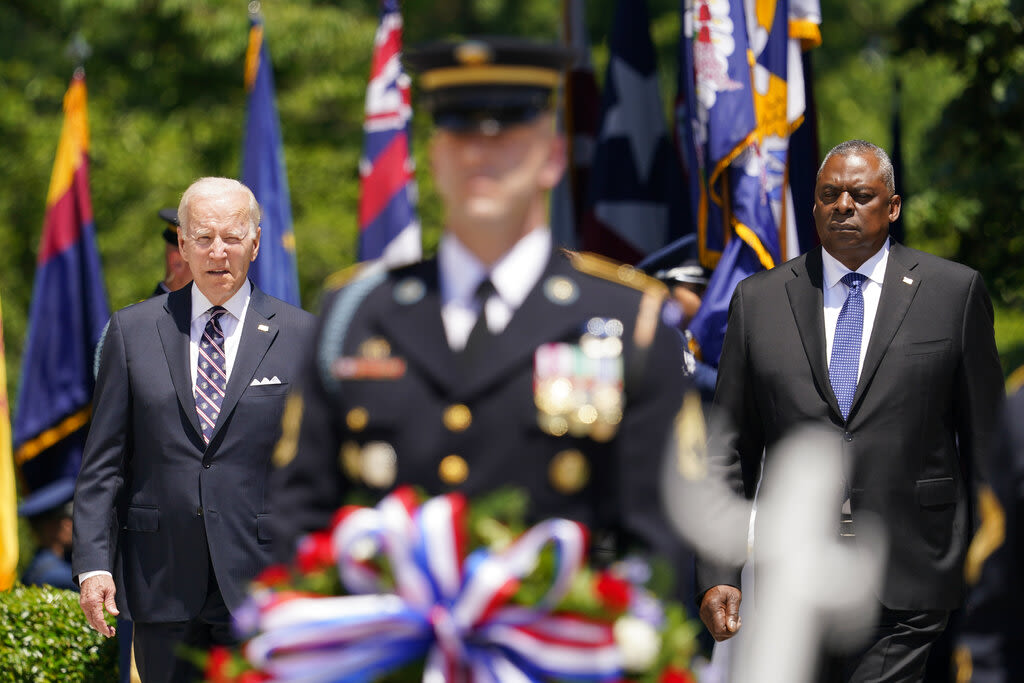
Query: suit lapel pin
pixel 263 328
pixel 907 281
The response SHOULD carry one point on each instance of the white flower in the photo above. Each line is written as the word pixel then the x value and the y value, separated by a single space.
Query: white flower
pixel 638 643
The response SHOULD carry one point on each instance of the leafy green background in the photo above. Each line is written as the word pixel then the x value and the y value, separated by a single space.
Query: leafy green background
pixel 167 104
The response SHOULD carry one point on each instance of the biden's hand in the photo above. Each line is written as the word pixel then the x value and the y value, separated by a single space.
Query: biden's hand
pixel 97 594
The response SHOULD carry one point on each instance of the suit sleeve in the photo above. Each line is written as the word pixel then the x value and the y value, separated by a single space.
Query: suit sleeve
pixel 307 485
pixel 979 381
pixel 736 438
pixel 104 458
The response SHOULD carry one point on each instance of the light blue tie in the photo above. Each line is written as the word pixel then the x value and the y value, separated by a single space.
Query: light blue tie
pixel 842 367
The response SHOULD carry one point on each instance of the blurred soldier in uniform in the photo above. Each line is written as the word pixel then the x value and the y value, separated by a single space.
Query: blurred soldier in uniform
pixel 502 361
pixel 992 635
pixel 48 511
pixel 176 272
pixel 679 268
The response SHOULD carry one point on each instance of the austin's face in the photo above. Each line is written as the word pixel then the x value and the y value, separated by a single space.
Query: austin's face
pixel 488 180
pixel 853 209
pixel 219 245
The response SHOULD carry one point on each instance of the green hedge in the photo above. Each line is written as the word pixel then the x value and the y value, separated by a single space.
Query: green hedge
pixel 44 637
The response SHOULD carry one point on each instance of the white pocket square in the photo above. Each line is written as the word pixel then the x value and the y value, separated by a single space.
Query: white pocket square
pixel 261 382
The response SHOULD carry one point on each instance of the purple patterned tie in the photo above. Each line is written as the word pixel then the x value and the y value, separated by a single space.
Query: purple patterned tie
pixel 211 380
pixel 845 361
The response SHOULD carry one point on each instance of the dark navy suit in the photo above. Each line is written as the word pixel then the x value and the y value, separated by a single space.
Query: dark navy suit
pixel 155 505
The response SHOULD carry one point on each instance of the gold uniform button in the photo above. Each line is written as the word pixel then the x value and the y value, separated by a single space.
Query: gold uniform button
pixel 453 470
pixel 569 471
pixel 357 419
pixel 350 459
pixel 457 417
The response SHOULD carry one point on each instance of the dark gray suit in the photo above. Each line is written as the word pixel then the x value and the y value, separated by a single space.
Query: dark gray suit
pixel 923 412
pixel 181 507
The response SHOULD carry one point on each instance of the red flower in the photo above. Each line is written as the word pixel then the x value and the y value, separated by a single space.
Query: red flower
pixel 274 575
pixel 217 665
pixel 253 677
pixel 674 675
pixel 614 592
pixel 314 552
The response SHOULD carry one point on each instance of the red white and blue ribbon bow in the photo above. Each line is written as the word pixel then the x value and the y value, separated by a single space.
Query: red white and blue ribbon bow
pixel 449 612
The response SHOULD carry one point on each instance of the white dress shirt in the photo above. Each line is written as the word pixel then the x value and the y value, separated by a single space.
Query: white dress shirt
pixel 835 295
pixel 513 276
pixel 230 324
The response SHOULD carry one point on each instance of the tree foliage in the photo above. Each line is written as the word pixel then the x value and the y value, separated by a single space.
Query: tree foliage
pixel 975 152
pixel 167 105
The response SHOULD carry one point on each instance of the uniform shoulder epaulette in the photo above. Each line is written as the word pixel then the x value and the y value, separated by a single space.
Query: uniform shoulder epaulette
pixel 614 271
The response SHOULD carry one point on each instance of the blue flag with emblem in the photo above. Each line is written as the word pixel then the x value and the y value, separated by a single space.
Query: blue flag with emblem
pixel 741 95
pixel 263 171
pixel 634 205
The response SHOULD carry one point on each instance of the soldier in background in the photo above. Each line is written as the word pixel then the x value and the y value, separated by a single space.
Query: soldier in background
pixel 991 638
pixel 679 268
pixel 176 272
pixel 48 511
pixel 502 362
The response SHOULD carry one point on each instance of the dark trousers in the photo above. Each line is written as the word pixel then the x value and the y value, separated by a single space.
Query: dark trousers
pixel 897 651
pixel 162 649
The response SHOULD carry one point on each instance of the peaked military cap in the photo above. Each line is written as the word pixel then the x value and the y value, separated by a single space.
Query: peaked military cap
pixel 676 263
pixel 170 216
pixel 488 83
pixel 51 497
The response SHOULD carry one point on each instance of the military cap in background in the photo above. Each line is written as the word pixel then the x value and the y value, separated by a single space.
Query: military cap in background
pixel 170 233
pixel 677 263
pixel 488 83
pixel 56 495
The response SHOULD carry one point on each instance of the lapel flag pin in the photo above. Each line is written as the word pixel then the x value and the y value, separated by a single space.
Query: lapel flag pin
pixel 263 328
pixel 908 281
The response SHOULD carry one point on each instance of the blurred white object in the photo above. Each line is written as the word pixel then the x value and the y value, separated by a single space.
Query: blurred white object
pixel 814 588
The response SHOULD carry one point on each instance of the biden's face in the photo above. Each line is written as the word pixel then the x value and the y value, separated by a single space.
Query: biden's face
pixel 219 244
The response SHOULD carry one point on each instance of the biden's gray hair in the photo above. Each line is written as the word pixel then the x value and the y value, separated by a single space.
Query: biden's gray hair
pixel 211 187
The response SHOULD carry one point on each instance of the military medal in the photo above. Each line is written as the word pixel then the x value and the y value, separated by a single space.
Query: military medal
pixel 578 387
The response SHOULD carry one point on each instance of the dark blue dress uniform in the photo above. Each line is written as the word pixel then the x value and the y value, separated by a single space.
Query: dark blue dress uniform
pixel 991 641
pixel 573 400
pixel 385 401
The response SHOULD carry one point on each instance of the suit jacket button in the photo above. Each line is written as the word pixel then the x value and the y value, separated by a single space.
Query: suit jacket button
pixel 206 465
pixel 199 511
pixel 847 436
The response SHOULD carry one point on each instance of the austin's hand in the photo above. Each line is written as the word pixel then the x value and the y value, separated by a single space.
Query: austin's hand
pixel 97 593
pixel 720 611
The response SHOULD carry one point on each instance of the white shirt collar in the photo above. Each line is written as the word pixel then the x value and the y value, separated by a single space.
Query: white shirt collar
pixel 236 305
pixel 513 275
pixel 874 268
